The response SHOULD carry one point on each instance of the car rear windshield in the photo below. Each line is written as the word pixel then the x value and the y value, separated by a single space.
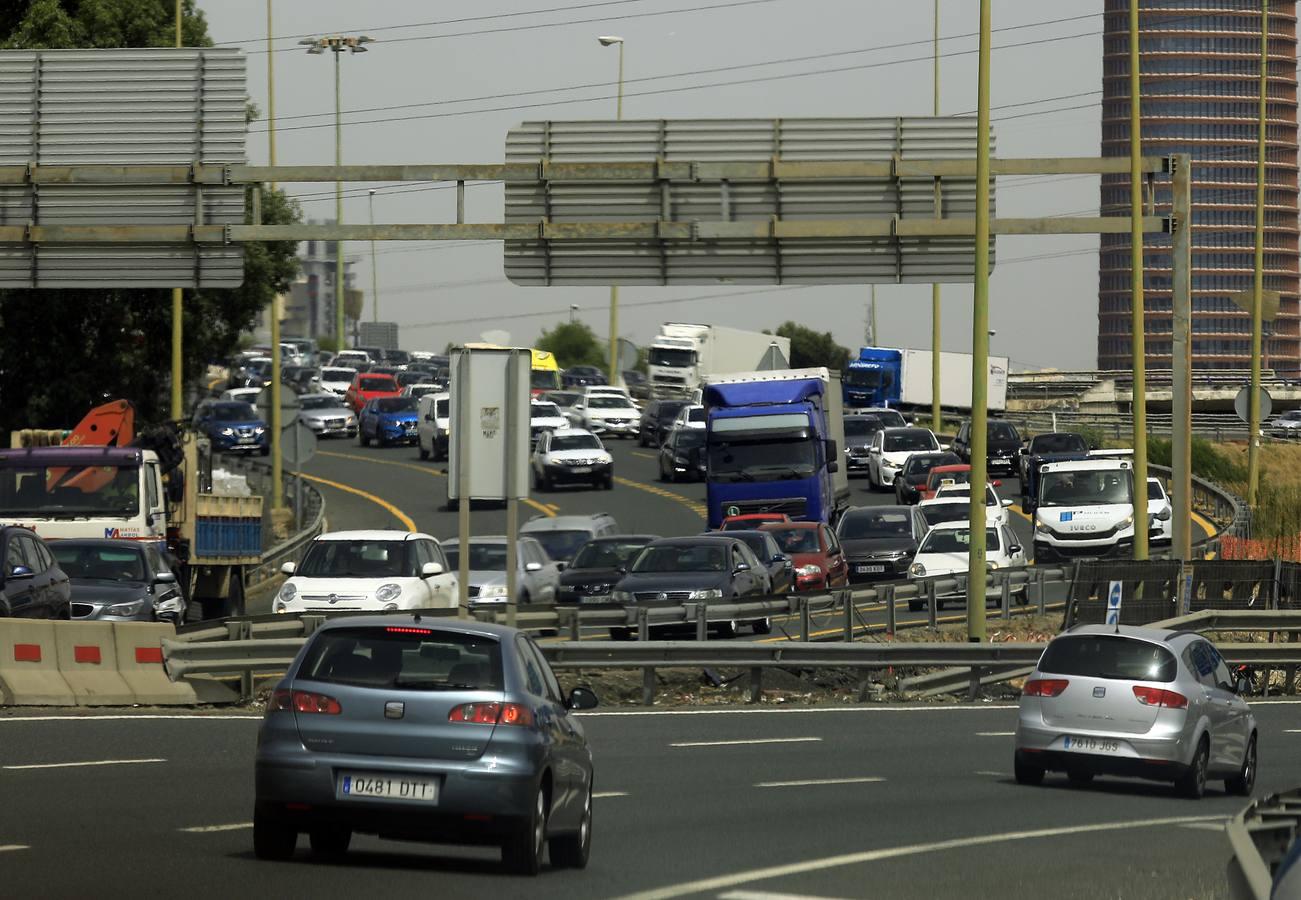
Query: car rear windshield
pixel 875 523
pixel 910 440
pixel 936 513
pixel 379 383
pixel 1108 656
pixel 396 404
pixel 404 656
pixel 606 554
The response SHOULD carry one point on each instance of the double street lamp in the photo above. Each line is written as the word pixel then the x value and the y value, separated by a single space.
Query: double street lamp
pixel 608 40
pixel 337 44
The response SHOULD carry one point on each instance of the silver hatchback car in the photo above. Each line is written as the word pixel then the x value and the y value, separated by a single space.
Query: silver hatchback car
pixel 428 730
pixel 1136 702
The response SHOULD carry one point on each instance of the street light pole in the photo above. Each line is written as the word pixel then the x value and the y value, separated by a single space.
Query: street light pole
pixel 1138 338
pixel 1258 275
pixel 374 271
pixel 606 41
pixel 178 368
pixel 939 213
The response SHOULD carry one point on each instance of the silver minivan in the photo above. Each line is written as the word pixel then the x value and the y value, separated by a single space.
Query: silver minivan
pixel 564 536
pixel 1139 703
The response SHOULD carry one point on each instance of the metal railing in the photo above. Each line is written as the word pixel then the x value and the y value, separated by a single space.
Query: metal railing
pixel 1261 836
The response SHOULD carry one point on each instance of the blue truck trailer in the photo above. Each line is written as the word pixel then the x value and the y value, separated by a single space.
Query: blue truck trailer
pixel 773 442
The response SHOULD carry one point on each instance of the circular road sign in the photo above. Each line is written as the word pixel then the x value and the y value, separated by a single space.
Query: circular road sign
pixel 1244 397
pixel 288 406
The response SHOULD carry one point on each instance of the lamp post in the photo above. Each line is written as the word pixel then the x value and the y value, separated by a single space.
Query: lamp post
pixel 606 41
pixel 374 272
pixel 337 44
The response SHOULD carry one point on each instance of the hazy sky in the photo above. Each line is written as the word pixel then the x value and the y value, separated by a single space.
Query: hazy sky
pixel 454 70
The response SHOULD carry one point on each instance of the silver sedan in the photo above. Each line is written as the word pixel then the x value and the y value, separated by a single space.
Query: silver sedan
pixel 1139 703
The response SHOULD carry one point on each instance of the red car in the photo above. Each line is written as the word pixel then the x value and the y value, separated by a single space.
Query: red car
pixel 366 387
pixel 751 520
pixel 813 548
pixel 960 474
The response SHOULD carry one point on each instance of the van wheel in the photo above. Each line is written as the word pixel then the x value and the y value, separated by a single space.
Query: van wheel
pixel 424 454
pixel 762 626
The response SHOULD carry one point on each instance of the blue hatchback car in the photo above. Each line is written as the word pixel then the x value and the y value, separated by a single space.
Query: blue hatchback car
pixel 425 730
pixel 233 427
pixel 388 420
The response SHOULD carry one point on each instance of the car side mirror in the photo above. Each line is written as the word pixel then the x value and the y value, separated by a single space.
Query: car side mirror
pixel 997 483
pixel 1242 685
pixel 1014 549
pixel 288 568
pixel 833 466
pixel 21 572
pixel 741 567
pixel 165 578
pixel 560 565
pixel 430 569
pixel 533 567
pixel 1006 503
pixel 582 698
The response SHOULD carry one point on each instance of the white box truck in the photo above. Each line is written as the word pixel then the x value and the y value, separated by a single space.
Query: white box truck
pixel 683 356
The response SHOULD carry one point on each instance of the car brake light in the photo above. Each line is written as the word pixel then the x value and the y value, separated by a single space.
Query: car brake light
pixel 491 714
pixel 1150 696
pixel 304 702
pixel 1044 687
pixel 398 629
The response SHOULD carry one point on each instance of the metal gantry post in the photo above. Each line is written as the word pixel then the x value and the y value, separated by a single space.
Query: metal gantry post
pixel 1181 481
pixel 1258 274
pixel 936 418
pixel 339 294
pixel 1138 340
pixel 515 381
pixel 462 438
pixel 980 349
pixel 178 364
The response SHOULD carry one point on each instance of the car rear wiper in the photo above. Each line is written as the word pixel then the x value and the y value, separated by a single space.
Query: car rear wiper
pixel 430 684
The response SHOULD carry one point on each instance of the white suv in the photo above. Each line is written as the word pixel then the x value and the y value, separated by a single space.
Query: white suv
pixel 610 414
pixel 383 571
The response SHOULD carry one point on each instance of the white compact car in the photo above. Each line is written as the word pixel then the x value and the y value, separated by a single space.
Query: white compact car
pixel 690 416
pixel 608 414
pixel 944 552
pixel 571 456
pixel 995 509
pixel 545 416
pixel 890 449
pixel 383 571
pixel 337 379
pixel 1160 513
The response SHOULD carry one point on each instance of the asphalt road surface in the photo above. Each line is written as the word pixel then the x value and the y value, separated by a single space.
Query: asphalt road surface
pixel 900 802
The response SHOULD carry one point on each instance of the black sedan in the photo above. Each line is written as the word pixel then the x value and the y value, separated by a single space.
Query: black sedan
pixel 912 476
pixel 682 455
pixel 578 376
pixel 880 541
pixel 119 581
pixel 33 584
pixel 781 570
pixel 657 421
pixel 708 567
pixel 597 567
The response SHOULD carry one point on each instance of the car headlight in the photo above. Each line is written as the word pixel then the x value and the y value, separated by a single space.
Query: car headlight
pixel 125 609
pixel 991 565
pixel 493 590
pixel 388 592
pixel 599 588
pixel 228 432
pixel 621 596
pixel 259 430
pixel 709 594
pixel 352 420
pixel 917 570
pixel 1125 522
pixel 809 571
pixel 1164 515
pixel 287 593
pixel 1041 528
pixel 605 459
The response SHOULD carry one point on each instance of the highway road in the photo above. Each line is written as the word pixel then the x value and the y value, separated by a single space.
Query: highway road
pixel 746 804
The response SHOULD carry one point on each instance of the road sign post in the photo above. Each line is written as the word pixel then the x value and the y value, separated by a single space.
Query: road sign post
pixel 1115 594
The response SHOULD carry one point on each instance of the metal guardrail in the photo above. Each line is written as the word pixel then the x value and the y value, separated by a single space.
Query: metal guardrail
pixel 1261 836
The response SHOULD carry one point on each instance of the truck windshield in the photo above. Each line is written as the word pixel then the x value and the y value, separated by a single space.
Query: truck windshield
pixel 59 492
pixel 863 378
pixel 1103 487
pixel 772 460
pixel 544 379
pixel 671 357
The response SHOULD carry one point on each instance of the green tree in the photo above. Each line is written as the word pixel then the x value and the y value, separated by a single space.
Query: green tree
pixel 66 350
pixel 574 344
pixel 811 349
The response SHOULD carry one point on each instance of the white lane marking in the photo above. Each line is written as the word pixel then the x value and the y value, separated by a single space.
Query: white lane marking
pixel 736 879
pixel 210 829
pixel 816 781
pixel 194 718
pixel 798 740
pixel 96 762
pixel 1292 731
pixel 995 734
pixel 764 895
pixel 6 848
pixel 603 794
pixel 992 774
pixel 748 711
pixel 1204 826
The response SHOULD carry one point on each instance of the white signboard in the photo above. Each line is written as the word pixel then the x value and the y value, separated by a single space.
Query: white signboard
pixel 489 415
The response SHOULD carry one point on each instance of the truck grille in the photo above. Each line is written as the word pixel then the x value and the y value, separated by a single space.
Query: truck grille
pixel 795 507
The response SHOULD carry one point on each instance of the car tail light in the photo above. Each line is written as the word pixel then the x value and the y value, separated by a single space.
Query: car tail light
pixel 491 714
pixel 1150 696
pixel 304 702
pixel 1044 687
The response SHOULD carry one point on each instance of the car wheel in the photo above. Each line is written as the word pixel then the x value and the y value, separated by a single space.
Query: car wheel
pixel 1192 783
pixel 571 851
pixel 609 483
pixel 1080 778
pixel 362 440
pixel 731 628
pixel 330 842
pixel 522 852
pixel 265 451
pixel 762 626
pixel 273 841
pixel 547 483
pixel 1026 773
pixel 1245 781
pixel 641 439
pixel 424 454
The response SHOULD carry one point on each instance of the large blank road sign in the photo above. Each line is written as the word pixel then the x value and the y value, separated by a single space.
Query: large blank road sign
pixel 720 250
pixel 121 107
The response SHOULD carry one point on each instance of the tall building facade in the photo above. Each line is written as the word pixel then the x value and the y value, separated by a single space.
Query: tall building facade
pixel 312 303
pixel 1199 75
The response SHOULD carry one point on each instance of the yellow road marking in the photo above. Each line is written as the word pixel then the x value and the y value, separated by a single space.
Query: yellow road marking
pixel 1016 508
pixel 695 506
pixel 397 513
pixel 425 470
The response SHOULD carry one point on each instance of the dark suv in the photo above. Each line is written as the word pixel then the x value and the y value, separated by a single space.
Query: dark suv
pixel 657 421
pixel 34 586
pixel 1002 446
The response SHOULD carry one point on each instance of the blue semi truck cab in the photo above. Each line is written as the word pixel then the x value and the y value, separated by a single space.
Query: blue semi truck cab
pixel 873 378
pixel 773 442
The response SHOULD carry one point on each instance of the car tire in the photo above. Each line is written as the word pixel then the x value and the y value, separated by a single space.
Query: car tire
pixel 424 454
pixel 330 843
pixel 265 451
pixel 362 440
pixel 273 841
pixel 1192 783
pixel 609 483
pixel 731 628
pixel 1026 773
pixel 762 626
pixel 571 851
pixel 522 851
pixel 547 483
pixel 1244 782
